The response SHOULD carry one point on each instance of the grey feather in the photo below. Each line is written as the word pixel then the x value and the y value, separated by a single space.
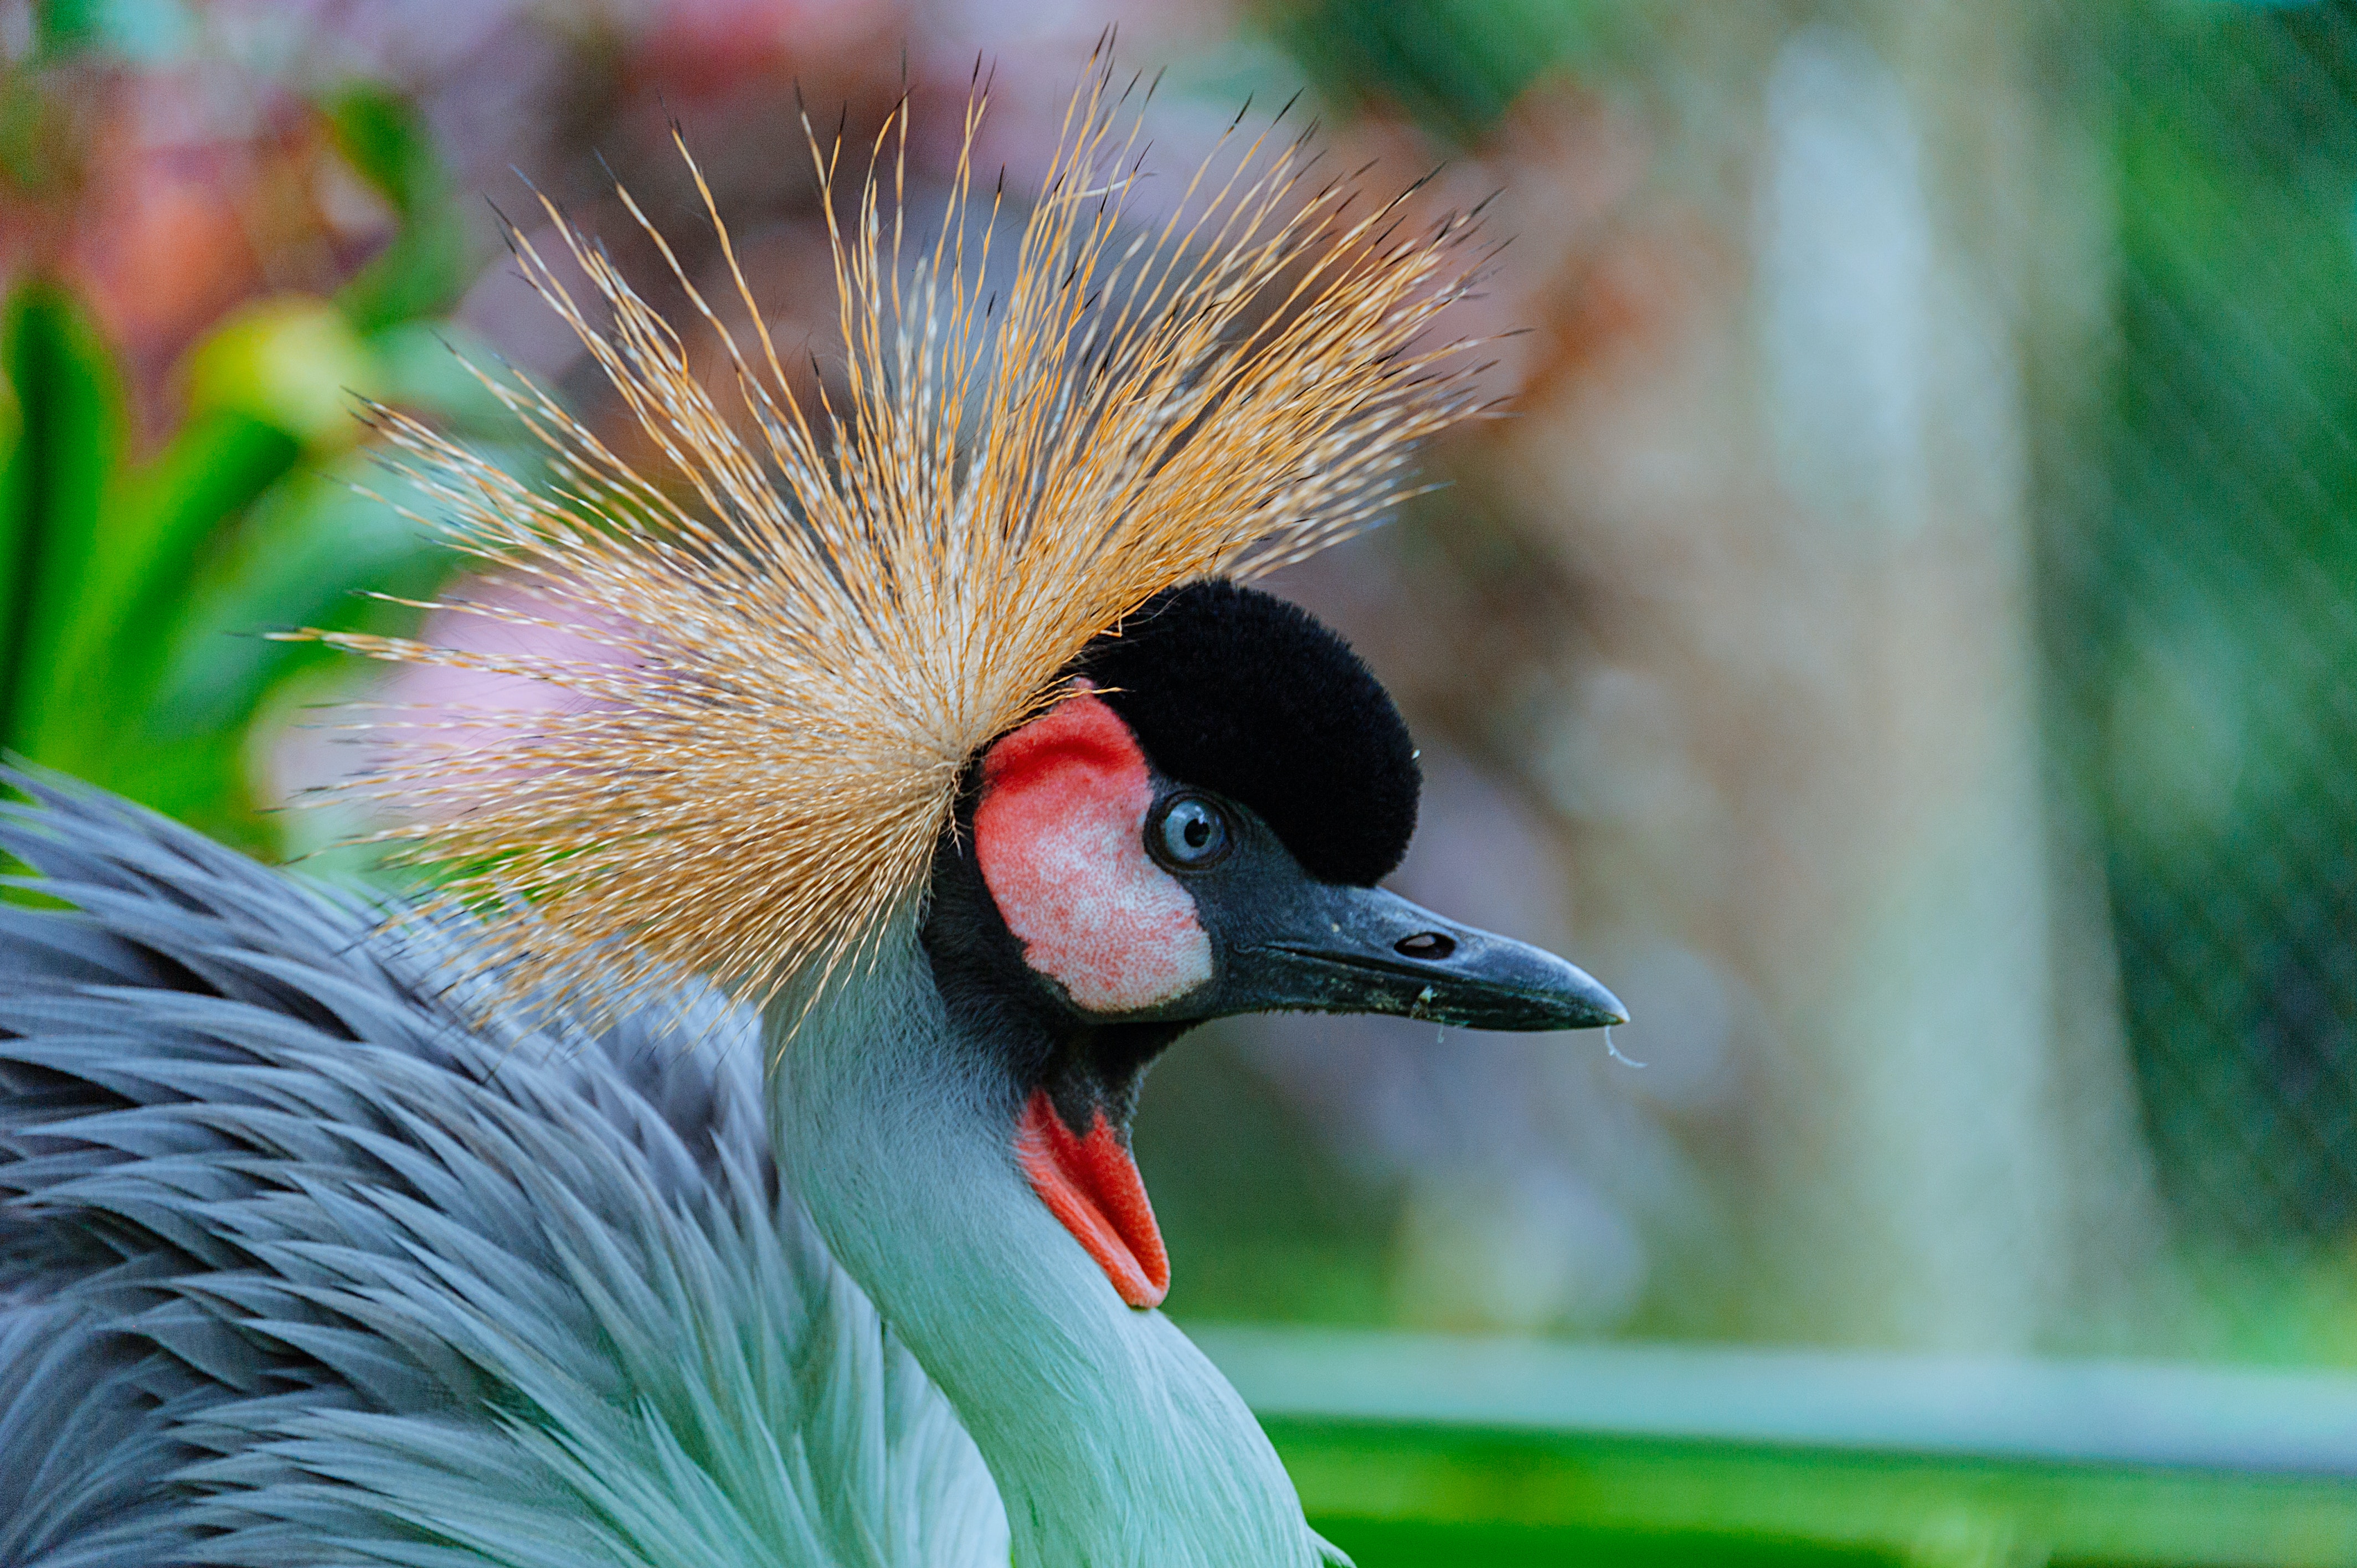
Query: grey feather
pixel 298 1265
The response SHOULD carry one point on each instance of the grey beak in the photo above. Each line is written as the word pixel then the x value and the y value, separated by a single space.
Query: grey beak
pixel 1362 950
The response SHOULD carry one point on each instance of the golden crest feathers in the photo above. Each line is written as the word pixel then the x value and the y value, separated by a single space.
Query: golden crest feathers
pixel 803 636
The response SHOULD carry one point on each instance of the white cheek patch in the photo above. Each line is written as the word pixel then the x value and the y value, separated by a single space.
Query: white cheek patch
pixel 1060 835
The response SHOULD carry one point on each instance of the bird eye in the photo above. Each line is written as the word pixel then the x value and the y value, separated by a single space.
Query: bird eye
pixel 1191 832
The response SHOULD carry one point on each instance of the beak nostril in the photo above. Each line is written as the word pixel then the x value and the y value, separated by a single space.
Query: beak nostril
pixel 1424 944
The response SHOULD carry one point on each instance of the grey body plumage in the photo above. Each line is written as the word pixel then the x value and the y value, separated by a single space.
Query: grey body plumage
pixel 297 1264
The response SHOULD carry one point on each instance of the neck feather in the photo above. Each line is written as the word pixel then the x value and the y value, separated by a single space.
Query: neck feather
pixel 1113 1440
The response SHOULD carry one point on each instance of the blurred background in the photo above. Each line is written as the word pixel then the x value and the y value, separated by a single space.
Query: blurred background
pixel 1900 639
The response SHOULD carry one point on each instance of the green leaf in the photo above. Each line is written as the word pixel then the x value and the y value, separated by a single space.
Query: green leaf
pixel 380 134
pixel 107 660
pixel 16 528
pixel 425 268
pixel 423 271
pixel 267 381
pixel 303 557
pixel 293 361
pixel 67 27
pixel 69 419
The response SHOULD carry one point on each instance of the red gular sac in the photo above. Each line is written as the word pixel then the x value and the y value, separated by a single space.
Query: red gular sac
pixel 1092 1185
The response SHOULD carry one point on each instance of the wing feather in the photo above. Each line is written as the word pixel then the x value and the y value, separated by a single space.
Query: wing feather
pixel 302 1262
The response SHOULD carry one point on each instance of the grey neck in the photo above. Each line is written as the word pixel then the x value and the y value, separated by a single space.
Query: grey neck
pixel 1113 1441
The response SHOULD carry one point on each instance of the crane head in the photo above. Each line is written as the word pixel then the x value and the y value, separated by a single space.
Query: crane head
pixel 967 644
pixel 1196 829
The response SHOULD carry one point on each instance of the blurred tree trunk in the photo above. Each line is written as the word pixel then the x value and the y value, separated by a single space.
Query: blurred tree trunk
pixel 1809 508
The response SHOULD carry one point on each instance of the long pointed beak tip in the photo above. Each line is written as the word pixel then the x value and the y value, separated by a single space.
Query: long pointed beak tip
pixel 1593 1008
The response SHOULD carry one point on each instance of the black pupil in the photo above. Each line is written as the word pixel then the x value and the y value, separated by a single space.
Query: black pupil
pixel 1197 833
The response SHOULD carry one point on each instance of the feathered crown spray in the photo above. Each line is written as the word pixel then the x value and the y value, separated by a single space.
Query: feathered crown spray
pixel 803 635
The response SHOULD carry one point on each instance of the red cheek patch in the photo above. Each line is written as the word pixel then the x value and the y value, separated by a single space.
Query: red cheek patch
pixel 1060 835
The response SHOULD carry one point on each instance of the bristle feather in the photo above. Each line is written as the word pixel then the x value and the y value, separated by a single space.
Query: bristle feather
pixel 802 639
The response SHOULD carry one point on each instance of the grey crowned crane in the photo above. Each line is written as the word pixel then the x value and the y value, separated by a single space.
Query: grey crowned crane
pixel 725 1161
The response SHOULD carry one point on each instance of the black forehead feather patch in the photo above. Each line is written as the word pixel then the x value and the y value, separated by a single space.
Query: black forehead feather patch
pixel 1237 692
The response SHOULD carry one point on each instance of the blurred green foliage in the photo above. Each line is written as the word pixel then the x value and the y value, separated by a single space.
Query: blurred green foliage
pixel 147 31
pixel 1455 66
pixel 1421 1495
pixel 425 269
pixel 2208 625
pixel 1264 1223
pixel 2201 600
pixel 1416 1544
pixel 135 592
